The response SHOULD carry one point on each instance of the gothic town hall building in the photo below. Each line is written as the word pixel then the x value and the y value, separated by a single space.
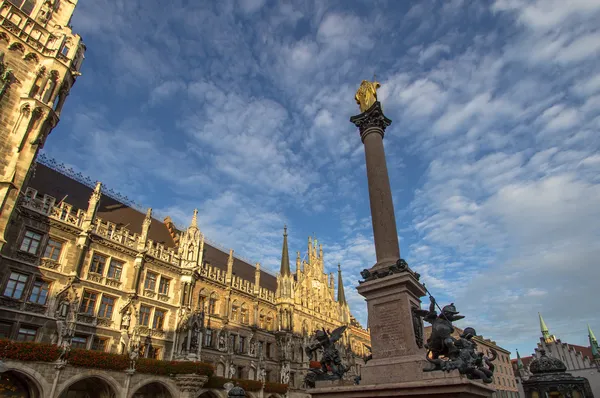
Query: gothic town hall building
pixel 78 260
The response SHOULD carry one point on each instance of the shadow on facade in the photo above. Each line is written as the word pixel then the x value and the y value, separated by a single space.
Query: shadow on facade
pixel 16 384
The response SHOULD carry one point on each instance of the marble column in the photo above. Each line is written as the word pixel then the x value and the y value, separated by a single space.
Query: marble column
pixel 372 124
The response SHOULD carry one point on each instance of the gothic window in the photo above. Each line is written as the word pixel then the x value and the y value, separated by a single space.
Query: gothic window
pixel 15 285
pixel 53 249
pixel 107 304
pixel 79 341
pixel 235 311
pixel 99 343
pixel 5 330
pixel 150 282
pixel 145 315
pixel 163 286
pixel 232 341
pixel 39 83
pixel 270 321
pixel 155 354
pixel 208 338
pixel 244 314
pixel 115 269
pixel 26 6
pixel 31 242
pixel 242 344
pixel 39 293
pixel 201 300
pixel 88 302
pixel 98 263
pixel 27 334
pixel 212 304
pixel 159 319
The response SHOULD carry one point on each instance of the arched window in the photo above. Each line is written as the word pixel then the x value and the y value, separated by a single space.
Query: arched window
pixel 270 321
pixel 235 311
pixel 244 314
pixel 26 6
pixel 212 304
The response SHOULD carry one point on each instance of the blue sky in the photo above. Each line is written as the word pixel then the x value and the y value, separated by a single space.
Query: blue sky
pixel 241 108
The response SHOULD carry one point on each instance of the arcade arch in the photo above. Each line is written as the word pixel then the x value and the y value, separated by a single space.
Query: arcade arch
pixel 89 387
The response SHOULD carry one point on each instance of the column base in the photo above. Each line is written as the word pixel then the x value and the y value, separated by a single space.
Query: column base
pixel 440 385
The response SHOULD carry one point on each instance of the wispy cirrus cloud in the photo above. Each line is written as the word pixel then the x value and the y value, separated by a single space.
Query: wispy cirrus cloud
pixel 240 108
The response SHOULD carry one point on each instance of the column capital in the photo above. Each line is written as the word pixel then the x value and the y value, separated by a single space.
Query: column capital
pixel 371 121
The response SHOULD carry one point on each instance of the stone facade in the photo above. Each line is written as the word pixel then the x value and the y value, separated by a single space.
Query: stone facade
pixel 86 264
pixel 504 379
pixel 40 58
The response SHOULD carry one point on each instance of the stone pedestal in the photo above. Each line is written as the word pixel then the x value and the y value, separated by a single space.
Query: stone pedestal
pixel 440 385
pixel 396 334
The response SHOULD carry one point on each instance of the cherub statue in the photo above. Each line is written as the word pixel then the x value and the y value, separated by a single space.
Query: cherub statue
pixel 366 95
pixel 441 341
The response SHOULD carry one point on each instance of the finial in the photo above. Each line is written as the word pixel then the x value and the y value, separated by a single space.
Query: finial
pixel 339 267
pixel 195 218
pixel 285 229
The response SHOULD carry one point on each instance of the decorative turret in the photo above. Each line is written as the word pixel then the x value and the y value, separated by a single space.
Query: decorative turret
pixel 519 361
pixel 190 244
pixel 341 294
pixel 546 336
pixel 229 275
pixel 257 279
pixel 298 262
pixel 145 230
pixel 285 257
pixel 593 343
pixel 90 213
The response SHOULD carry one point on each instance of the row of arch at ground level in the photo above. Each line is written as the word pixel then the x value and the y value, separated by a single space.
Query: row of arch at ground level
pixel 19 383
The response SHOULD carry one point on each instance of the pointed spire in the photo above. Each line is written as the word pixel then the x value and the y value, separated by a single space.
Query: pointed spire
pixel 145 229
pixel 593 343
pixel 298 263
pixel 519 361
pixel 285 255
pixel 544 328
pixel 341 294
pixel 195 219
pixel 229 275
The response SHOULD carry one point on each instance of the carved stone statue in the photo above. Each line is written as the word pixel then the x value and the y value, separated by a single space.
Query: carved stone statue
pixel 285 373
pixel 262 375
pixel 126 320
pixel 366 95
pixel 65 349
pixel 134 354
pixel 252 345
pixel 222 341
pixel 232 371
pixel 124 341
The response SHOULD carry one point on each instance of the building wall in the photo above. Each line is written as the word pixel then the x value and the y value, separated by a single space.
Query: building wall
pixel 40 58
pixel 241 328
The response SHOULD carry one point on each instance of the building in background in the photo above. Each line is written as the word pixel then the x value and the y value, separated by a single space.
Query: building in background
pixel 40 58
pixel 580 361
pixel 504 379
pixel 83 264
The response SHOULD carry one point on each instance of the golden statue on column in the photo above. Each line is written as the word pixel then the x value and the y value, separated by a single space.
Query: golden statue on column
pixel 366 95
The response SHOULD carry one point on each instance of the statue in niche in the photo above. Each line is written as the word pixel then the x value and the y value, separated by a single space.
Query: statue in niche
pixel 222 341
pixel 253 345
pixel 285 373
pixel 262 375
pixel 232 371
pixel 134 355
pixel 123 341
pixel 126 320
pixel 366 95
